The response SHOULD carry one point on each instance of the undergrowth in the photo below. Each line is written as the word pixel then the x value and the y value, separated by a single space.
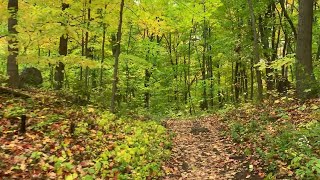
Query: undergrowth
pixel 102 146
pixel 289 147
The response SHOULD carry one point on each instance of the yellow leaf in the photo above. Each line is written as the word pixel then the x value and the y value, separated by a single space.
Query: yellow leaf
pixel 314 107
pixel 23 166
pixel 91 110
pixel 33 137
pixel 71 176
pixel 69 153
pixel 67 141
pixel 290 2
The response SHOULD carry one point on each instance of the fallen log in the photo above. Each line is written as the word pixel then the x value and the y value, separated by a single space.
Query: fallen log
pixel 13 92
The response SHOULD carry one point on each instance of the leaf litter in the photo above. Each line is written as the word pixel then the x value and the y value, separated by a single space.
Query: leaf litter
pixel 206 154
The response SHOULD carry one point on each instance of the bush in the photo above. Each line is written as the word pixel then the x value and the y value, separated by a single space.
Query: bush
pixel 287 149
pixel 137 152
pixel 299 149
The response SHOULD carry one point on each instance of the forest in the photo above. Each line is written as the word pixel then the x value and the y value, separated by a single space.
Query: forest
pixel 159 89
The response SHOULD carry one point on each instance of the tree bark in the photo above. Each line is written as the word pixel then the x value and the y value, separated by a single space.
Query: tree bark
pixel 12 66
pixel 63 51
pixel 148 73
pixel 304 68
pixel 128 88
pixel 210 72
pixel 236 82
pixel 102 54
pixel 256 50
pixel 288 18
pixel 116 60
pixel 189 67
pixel 204 103
pixel 251 78
pixel 264 36
pixel 88 51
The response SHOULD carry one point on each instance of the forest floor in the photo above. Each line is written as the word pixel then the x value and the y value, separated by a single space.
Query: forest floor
pixel 279 140
pixel 200 151
pixel 97 146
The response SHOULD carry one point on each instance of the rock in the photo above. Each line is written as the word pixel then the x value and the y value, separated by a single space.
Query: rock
pixel 185 166
pixel 198 130
pixel 31 76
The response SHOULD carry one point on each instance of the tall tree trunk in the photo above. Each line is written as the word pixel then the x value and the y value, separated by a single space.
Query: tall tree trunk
pixel 204 103
pixel 185 80
pixel 256 50
pixel 236 82
pixel 282 82
pixel 128 88
pixel 147 95
pixel 83 43
pixel 148 73
pixel 220 95
pixel 232 82
pixel 288 18
pixel 318 50
pixel 264 35
pixel 63 51
pixel 210 72
pixel 304 69
pixel 176 65
pixel 245 76
pixel 12 66
pixel 102 54
pixel 88 51
pixel 116 61
pixel 189 67
pixel 251 78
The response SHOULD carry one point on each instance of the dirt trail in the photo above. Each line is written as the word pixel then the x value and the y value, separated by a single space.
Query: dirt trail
pixel 199 152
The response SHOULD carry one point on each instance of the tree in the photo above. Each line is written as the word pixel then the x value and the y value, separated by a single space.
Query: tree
pixel 12 66
pixel 256 50
pixel 172 63
pixel 63 51
pixel 285 13
pixel 304 69
pixel 116 59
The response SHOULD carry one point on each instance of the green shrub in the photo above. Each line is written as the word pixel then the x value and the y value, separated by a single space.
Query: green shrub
pixel 237 132
pixel 300 149
pixel 137 155
pixel 14 111
pixel 283 146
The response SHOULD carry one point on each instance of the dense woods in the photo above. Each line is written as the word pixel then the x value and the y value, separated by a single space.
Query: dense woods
pixel 139 55
pixel 159 59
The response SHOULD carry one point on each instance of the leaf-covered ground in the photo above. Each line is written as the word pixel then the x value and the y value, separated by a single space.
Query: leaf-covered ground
pixel 201 152
pixel 284 134
pixel 279 140
pixel 100 147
